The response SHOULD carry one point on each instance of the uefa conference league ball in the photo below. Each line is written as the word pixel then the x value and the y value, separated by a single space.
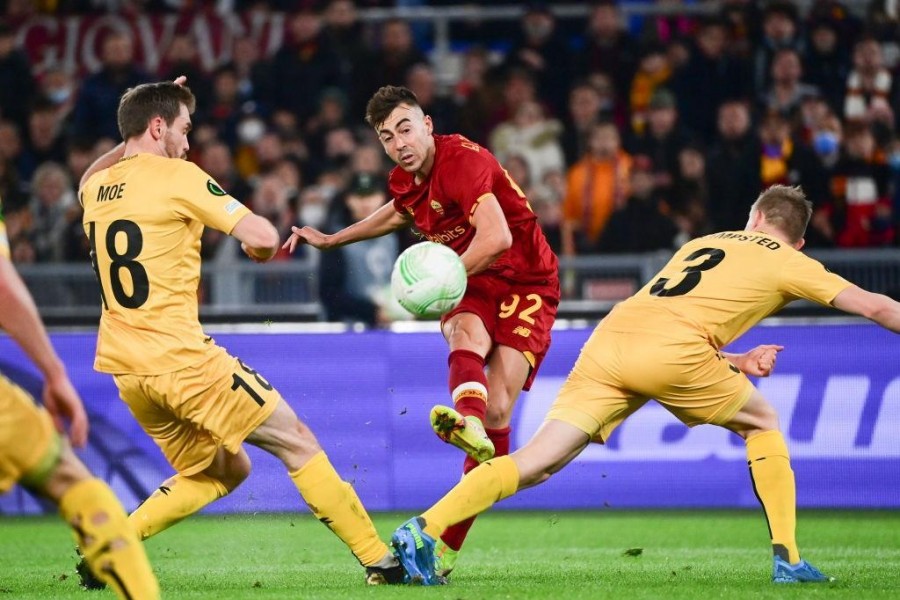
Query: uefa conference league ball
pixel 428 279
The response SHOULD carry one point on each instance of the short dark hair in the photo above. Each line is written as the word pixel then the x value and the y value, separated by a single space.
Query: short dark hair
pixel 385 100
pixel 786 208
pixel 141 103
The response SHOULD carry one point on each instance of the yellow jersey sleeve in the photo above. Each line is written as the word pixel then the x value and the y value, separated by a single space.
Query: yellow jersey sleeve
pixel 804 277
pixel 197 196
pixel 4 241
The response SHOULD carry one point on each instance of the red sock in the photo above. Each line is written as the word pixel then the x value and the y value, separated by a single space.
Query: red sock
pixel 468 384
pixel 455 535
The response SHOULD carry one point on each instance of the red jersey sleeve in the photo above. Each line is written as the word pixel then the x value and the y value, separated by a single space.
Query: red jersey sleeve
pixel 472 177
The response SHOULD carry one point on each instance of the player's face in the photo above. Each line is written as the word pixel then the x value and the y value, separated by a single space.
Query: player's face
pixel 175 139
pixel 406 137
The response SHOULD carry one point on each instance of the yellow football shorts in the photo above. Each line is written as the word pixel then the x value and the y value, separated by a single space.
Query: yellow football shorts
pixel 618 372
pixel 193 412
pixel 27 435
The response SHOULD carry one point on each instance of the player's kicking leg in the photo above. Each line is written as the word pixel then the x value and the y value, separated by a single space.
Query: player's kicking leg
pixel 507 373
pixel 463 424
pixel 553 446
pixel 332 500
pixel 773 482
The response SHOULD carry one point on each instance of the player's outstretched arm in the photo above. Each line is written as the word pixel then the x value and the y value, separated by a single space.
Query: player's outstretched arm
pixel 875 307
pixel 381 222
pixel 20 318
pixel 492 236
pixel 259 238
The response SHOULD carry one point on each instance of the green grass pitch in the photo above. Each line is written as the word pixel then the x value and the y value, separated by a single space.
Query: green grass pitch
pixel 568 555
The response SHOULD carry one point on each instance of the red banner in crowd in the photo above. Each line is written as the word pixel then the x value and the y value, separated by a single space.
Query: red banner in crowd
pixel 74 43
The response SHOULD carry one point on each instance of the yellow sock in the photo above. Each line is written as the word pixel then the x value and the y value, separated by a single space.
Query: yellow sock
pixel 178 497
pixel 773 482
pixel 108 544
pixel 485 485
pixel 334 502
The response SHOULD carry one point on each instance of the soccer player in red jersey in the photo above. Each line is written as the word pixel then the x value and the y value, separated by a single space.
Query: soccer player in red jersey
pixel 456 193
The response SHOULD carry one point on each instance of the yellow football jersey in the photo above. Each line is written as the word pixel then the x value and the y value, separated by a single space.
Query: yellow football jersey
pixel 4 241
pixel 144 217
pixel 722 284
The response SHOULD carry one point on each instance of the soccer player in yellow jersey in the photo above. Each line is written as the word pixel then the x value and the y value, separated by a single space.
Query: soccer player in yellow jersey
pixel 145 208
pixel 34 454
pixel 664 343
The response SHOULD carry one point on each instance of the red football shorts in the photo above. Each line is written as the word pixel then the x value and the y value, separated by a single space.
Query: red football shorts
pixel 516 315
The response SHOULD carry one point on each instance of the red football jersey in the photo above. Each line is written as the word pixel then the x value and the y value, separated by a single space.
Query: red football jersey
pixel 443 205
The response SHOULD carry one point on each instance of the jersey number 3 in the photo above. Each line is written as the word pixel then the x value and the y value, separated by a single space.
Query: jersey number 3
pixel 711 257
pixel 134 243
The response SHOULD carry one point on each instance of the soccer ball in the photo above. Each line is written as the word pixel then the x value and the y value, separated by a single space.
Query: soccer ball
pixel 428 279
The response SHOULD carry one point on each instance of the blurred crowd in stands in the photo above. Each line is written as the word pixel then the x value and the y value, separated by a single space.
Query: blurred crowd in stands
pixel 626 136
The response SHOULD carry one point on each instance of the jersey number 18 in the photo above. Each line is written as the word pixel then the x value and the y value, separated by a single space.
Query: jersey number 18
pixel 134 243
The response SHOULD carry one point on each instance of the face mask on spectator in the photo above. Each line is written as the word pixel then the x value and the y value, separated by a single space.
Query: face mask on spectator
pixel 251 131
pixel 59 95
pixel 312 214
pixel 825 143
pixel 894 160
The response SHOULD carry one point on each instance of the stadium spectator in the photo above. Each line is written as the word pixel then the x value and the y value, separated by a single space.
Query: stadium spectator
pixel 780 30
pixel 94 115
pixel 786 90
pixel 689 199
pixel 872 90
pixel 595 186
pixel 12 190
pixel 861 208
pixel 354 281
pixel 181 59
pixel 517 89
pixel 540 49
pixel 331 114
pixel 17 82
pixel 653 73
pixel 664 344
pixel 609 48
pixel 254 75
pixel 45 141
pixel 662 139
pixel 52 203
pixel 421 80
pixel 784 159
pixel 827 61
pixel 533 137
pixel 585 108
pixel 346 34
pixel 59 88
pixel 710 67
pixel 395 53
pixel 732 167
pixel 639 225
pixel 475 94
pixel 308 62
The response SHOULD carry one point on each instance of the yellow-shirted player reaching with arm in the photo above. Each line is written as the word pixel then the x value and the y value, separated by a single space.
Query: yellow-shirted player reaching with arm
pixel 34 454
pixel 144 212
pixel 664 343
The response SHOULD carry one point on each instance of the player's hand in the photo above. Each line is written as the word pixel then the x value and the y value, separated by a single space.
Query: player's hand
pixel 63 403
pixel 760 361
pixel 307 235
pixel 253 256
pixel 180 80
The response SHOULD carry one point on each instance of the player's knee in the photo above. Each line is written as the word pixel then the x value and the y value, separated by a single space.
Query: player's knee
pixel 67 472
pixel 499 410
pixel 300 445
pixel 236 471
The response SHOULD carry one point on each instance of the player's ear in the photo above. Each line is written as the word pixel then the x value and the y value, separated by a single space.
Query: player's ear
pixel 800 243
pixel 156 127
pixel 429 125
